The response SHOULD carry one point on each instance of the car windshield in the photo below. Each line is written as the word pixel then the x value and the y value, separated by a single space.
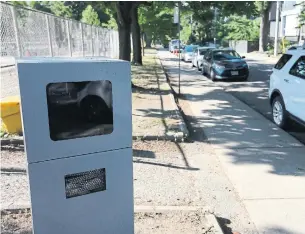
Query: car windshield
pixel 175 42
pixel 225 55
pixel 189 49
pixel 202 51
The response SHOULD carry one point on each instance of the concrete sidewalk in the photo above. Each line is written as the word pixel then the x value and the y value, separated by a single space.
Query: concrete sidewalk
pixel 265 164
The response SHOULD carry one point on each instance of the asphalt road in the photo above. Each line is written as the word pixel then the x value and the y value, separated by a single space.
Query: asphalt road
pixel 253 92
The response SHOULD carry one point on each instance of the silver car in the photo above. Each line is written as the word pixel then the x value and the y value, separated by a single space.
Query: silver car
pixel 198 56
pixel 187 53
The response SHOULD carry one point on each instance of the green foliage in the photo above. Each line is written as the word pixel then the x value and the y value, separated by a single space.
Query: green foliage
pixel 262 6
pixel 19 3
pixel 302 16
pixel 208 25
pixel 156 21
pixel 111 23
pixel 59 9
pixel 241 28
pixel 41 6
pixel 90 16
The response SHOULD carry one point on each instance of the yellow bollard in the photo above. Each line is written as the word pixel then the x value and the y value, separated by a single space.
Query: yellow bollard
pixel 10 114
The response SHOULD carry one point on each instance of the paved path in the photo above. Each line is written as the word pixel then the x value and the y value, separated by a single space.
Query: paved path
pixel 265 164
pixel 254 92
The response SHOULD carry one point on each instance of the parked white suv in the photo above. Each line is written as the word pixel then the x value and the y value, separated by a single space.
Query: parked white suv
pixel 287 88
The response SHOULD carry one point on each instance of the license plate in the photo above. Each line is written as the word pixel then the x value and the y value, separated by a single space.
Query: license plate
pixel 234 73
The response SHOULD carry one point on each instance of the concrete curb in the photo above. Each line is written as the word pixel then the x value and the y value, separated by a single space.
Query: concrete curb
pixel 182 124
pixel 210 217
pixel 177 137
pixel 212 220
pixel 23 208
pixel 11 141
pixel 9 65
pixel 171 136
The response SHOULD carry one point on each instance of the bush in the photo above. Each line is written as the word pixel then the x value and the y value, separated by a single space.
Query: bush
pixel 241 28
pixel 284 45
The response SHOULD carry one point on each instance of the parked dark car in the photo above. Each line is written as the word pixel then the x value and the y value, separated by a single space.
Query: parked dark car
pixel 220 64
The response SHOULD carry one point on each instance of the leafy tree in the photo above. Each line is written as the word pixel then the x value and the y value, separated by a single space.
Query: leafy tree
pixel 302 15
pixel 156 22
pixel 204 15
pixel 263 8
pixel 19 3
pixel 136 36
pixel 41 6
pixel 59 9
pixel 241 28
pixel 90 16
pixel 111 23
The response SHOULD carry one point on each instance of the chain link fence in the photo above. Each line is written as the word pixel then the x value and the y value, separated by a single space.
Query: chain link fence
pixel 26 32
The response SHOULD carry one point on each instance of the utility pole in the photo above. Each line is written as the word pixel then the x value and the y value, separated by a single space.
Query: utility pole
pixel 179 40
pixel 177 21
pixel 191 25
pixel 276 34
pixel 215 24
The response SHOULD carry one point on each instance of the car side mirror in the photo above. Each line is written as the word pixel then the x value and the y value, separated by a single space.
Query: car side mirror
pixel 243 57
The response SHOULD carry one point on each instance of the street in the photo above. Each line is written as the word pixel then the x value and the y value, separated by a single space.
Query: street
pixel 265 164
pixel 253 92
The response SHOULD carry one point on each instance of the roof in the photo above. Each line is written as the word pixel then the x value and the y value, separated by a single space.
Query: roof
pixel 191 46
pixel 300 51
pixel 206 47
pixel 224 49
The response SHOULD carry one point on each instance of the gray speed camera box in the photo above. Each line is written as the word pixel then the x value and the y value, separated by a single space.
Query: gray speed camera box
pixel 77 128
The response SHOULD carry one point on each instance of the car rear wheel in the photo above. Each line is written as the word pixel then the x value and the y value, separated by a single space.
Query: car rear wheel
pixel 279 113
pixel 198 67
pixel 202 70
pixel 212 74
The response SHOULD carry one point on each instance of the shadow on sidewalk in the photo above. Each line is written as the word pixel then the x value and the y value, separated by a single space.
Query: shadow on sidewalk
pixel 238 128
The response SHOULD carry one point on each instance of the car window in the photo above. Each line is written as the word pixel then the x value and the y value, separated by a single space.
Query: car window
pixel 189 49
pixel 283 60
pixel 298 69
pixel 203 52
pixel 208 54
pixel 225 55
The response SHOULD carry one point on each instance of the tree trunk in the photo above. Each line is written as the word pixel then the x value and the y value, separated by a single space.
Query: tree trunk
pixel 136 37
pixel 142 41
pixel 124 42
pixel 148 42
pixel 264 29
pixel 123 21
pixel 261 33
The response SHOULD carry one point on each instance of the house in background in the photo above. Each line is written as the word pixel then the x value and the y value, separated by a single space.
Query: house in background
pixel 289 21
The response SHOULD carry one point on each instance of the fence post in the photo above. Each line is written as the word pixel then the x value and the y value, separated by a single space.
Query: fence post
pixel 82 39
pixel 19 51
pixel 92 50
pixel 69 37
pixel 49 36
pixel 98 44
